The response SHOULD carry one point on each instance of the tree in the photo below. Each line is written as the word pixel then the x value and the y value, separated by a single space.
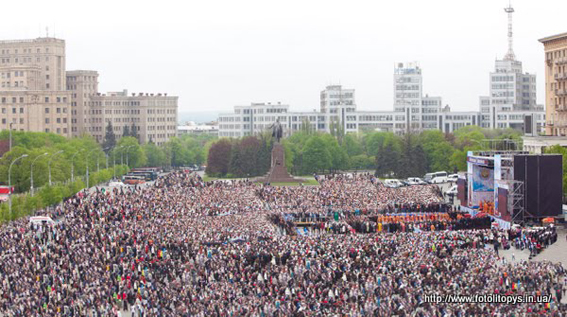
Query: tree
pixel 134 132
pixel 125 131
pixel 218 159
pixel 109 138
pixel 337 130
pixel 236 160
pixel 316 156
pixel 155 156
pixel 557 149
pixel 131 150
pixel 352 145
pixel 387 160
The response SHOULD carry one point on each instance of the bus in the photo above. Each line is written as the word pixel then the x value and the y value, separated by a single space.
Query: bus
pixel 148 175
pixel 133 179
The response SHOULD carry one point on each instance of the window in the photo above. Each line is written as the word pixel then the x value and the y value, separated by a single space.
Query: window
pixel 46 110
pixel 21 110
pixel 47 120
pixel 13 110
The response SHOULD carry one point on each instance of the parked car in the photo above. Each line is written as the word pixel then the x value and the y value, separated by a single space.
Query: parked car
pixel 393 183
pixel 416 181
pixel 451 191
pixel 453 178
pixel 436 178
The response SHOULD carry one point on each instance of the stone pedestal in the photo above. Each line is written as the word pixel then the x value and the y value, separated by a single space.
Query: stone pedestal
pixel 278 172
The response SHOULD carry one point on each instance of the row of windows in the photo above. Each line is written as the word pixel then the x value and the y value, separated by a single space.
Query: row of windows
pixel 23 60
pixel 25 51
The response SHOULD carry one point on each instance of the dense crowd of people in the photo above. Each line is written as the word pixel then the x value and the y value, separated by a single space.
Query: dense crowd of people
pixel 184 247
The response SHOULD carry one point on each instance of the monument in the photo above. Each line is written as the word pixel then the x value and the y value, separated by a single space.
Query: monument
pixel 278 172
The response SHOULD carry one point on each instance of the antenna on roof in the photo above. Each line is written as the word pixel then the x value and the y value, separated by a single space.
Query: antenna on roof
pixel 510 54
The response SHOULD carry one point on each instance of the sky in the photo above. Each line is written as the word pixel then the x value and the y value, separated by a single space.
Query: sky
pixel 220 53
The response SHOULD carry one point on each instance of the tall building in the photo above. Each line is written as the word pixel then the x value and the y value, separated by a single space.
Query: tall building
pixel 512 92
pixel 154 116
pixel 510 104
pixel 336 104
pixel 33 95
pixel 555 48
pixel 38 94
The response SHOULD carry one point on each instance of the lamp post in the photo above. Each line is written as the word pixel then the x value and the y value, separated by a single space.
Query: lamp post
pixel 49 164
pixel 73 165
pixel 128 155
pixel 10 182
pixel 31 171
pixel 87 161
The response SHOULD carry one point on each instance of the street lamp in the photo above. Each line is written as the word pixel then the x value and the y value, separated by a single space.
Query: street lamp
pixel 87 161
pixel 128 155
pixel 31 171
pixel 11 123
pixel 73 165
pixel 10 182
pixel 49 164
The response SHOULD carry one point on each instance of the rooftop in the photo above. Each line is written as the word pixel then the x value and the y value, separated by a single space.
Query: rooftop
pixel 553 37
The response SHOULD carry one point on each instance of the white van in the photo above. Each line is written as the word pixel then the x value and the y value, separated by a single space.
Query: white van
pixel 438 178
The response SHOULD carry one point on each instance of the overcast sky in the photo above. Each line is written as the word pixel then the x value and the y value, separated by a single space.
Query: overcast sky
pixel 217 54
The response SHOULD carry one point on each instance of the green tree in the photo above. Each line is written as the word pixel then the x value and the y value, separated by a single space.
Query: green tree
pixel 155 156
pixel 131 149
pixel 352 145
pixel 125 131
pixel 316 156
pixel 134 132
pixel 109 137
pixel 557 149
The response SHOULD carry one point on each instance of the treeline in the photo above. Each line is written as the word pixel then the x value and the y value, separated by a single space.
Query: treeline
pixel 558 149
pixel 246 157
pixel 68 158
pixel 387 154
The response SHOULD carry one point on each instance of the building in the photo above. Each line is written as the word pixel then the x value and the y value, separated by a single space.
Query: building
pixel 33 95
pixel 190 128
pixel 38 94
pixel 555 48
pixel 154 116
pixel 511 104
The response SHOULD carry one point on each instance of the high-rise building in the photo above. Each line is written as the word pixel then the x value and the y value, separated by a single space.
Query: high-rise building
pixel 33 95
pixel 38 94
pixel 555 48
pixel 154 116
pixel 512 92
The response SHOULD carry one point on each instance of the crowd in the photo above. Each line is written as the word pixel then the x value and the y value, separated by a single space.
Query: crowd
pixel 184 247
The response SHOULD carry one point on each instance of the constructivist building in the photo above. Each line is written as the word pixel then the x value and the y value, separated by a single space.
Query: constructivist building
pixel 510 104
pixel 555 48
pixel 38 94
pixel 33 96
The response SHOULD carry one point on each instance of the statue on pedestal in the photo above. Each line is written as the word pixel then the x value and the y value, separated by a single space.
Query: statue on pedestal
pixel 277 130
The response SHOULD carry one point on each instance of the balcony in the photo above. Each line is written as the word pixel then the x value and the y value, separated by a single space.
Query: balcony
pixel 559 107
pixel 561 92
pixel 560 61
pixel 560 76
